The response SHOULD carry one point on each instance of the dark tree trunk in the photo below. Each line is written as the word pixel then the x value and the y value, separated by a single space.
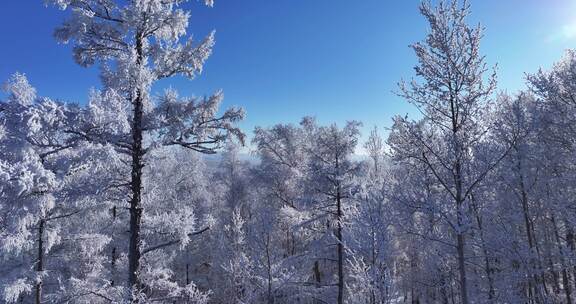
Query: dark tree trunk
pixel 529 232
pixel 340 248
pixel 571 244
pixel 187 274
pixel 460 238
pixel 565 280
pixel 459 196
pixel 373 262
pixel 317 277
pixel 269 270
pixel 488 267
pixel 40 260
pixel 317 274
pixel 462 268
pixel 136 184
pixel 113 255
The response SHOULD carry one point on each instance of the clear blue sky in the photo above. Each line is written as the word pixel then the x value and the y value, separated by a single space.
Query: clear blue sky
pixel 283 59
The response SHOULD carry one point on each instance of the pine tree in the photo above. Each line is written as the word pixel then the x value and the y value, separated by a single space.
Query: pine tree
pixel 138 43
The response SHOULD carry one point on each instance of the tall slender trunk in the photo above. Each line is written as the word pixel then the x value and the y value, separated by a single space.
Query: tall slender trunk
pixel 555 277
pixel 269 270
pixel 136 183
pixel 443 291
pixel 187 280
pixel 459 199
pixel 317 273
pixel 340 247
pixel 565 279
pixel 571 244
pixel 187 273
pixel 317 277
pixel 461 242
pixel 40 261
pixel 460 238
pixel 113 255
pixel 548 246
pixel 373 262
pixel 529 229
pixel 488 268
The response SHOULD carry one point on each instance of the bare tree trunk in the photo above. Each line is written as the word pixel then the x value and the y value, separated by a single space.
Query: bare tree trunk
pixel 269 270
pixel 317 277
pixel 317 273
pixel 458 198
pixel 373 262
pixel 443 291
pixel 529 231
pixel 488 268
pixel 40 260
pixel 187 273
pixel 461 268
pixel 565 280
pixel 460 238
pixel 136 184
pixel 113 255
pixel 549 244
pixel 340 248
pixel 571 244
pixel 555 278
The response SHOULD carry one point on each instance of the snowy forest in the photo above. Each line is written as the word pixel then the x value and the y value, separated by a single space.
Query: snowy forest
pixel 140 196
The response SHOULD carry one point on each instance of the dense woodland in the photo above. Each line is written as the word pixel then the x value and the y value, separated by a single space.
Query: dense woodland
pixel 116 200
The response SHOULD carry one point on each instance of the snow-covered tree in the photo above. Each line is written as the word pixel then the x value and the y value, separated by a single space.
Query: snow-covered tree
pixel 106 202
pixel 42 193
pixel 453 95
pixel 138 43
pixel 375 148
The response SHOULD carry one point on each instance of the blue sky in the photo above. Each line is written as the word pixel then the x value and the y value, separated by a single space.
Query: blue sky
pixel 284 59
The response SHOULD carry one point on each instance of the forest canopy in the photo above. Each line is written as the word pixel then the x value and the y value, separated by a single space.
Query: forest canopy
pixel 116 200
